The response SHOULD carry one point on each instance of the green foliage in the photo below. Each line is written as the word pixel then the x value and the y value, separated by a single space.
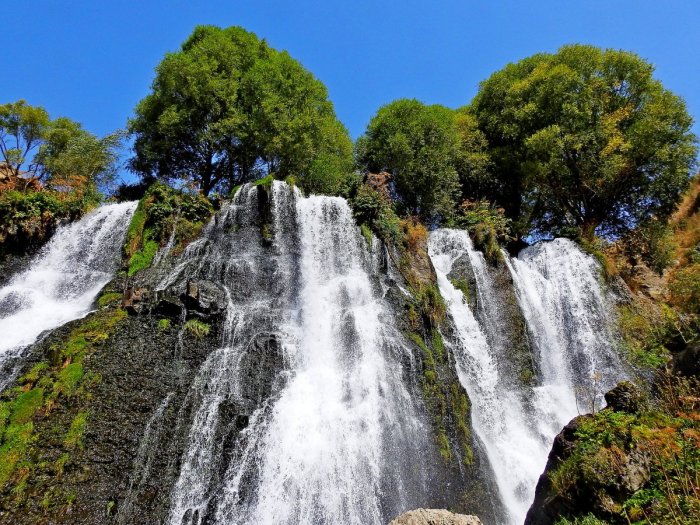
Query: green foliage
pixel 28 217
pixel 589 519
pixel 367 234
pixel 160 213
pixel 584 138
pixel 227 108
pixel 374 210
pixel 164 324
pixel 646 331
pixel 57 152
pixel 665 435
pixel 108 298
pixel 143 258
pixel 22 128
pixel 197 328
pixel 265 182
pixel 685 289
pixel 419 146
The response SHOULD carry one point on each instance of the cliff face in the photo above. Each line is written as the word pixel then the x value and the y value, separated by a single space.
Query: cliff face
pixel 120 417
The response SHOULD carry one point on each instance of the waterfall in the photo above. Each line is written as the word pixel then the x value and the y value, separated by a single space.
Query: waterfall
pixel 567 317
pixel 333 435
pixel 62 281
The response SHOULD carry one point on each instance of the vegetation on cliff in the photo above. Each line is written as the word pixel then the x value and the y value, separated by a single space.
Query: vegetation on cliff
pixel 635 463
pixel 50 170
pixel 164 214
pixel 43 418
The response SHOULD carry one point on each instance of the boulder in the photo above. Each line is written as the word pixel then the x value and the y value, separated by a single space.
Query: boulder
pixel 625 397
pixel 133 299
pixel 434 517
pixel 205 297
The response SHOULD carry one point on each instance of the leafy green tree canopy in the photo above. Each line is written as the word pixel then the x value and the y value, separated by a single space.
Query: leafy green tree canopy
pixel 59 153
pixel 584 140
pixel 228 108
pixel 419 146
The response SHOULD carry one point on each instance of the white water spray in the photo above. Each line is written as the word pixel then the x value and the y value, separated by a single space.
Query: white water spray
pixel 338 440
pixel 568 320
pixel 63 280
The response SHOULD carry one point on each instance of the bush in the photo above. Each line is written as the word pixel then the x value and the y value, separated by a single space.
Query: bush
pixel 488 225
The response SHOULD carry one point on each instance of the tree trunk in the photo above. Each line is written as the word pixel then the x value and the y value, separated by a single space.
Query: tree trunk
pixel 588 228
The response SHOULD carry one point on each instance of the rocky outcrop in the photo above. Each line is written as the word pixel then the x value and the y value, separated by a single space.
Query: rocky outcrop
pixel 434 517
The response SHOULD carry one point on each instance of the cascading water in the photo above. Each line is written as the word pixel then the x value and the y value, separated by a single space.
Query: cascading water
pixel 567 317
pixel 332 436
pixel 62 281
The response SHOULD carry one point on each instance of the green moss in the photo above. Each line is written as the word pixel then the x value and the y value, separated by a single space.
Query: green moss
pixel 74 436
pixel 25 405
pixel 438 345
pixel 266 232
pixel 60 464
pixel 134 233
pixel 143 258
pixel 291 180
pixel 109 298
pixel 367 234
pixel 68 379
pixel 164 324
pixel 463 286
pixel 444 445
pixel 234 190
pixel 34 374
pixel 431 304
pixel 197 328
pixel 45 385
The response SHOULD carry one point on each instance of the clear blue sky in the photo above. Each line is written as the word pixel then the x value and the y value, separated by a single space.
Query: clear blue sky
pixel 92 60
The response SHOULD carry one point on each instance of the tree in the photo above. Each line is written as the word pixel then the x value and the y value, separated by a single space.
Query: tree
pixel 58 153
pixel 584 140
pixel 419 146
pixel 22 128
pixel 227 108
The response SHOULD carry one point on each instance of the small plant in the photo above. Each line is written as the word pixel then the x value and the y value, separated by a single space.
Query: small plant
pixel 197 328
pixel 164 324
pixel 108 298
pixel 367 234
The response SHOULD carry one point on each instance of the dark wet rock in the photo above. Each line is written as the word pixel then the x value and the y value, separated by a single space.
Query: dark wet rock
pixel 168 306
pixel 686 362
pixel 549 506
pixel 133 301
pixel 625 397
pixel 259 369
pixel 204 296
